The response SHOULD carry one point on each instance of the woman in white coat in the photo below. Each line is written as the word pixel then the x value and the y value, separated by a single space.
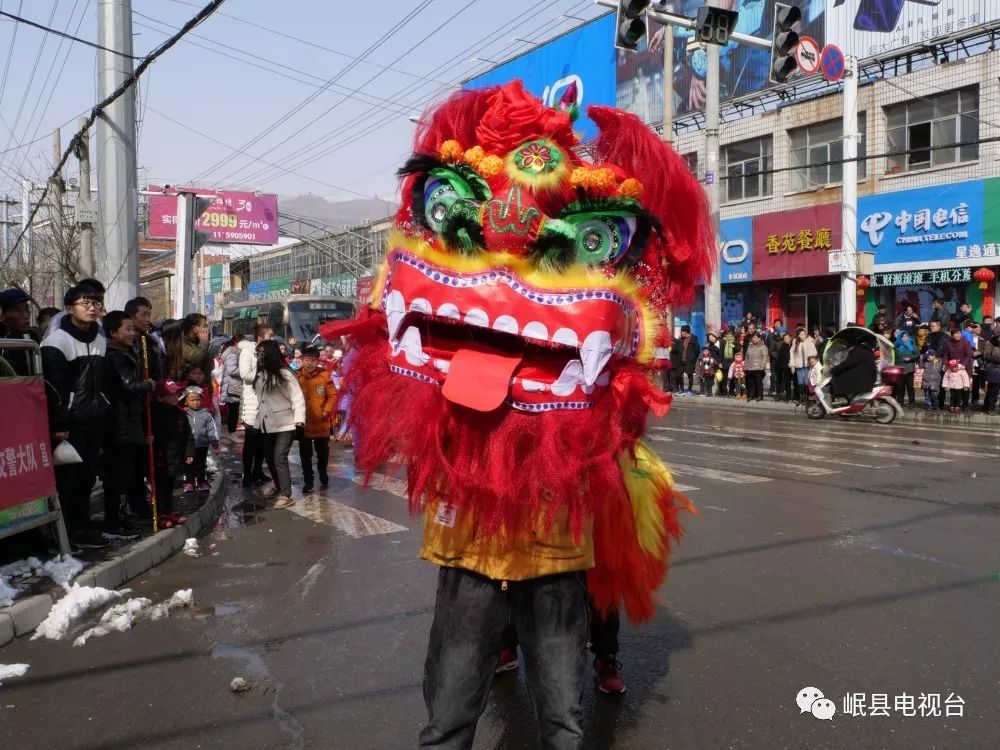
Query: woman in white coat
pixel 802 349
pixel 281 410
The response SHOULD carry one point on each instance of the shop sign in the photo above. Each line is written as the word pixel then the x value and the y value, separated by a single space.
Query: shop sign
pixel 338 285
pixel 796 243
pixel 735 257
pixel 921 278
pixel 910 228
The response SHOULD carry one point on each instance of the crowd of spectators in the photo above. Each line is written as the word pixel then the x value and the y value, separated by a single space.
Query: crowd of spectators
pixel 143 406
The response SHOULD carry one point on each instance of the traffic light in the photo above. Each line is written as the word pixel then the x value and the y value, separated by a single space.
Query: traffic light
pixel 630 25
pixel 784 41
pixel 714 25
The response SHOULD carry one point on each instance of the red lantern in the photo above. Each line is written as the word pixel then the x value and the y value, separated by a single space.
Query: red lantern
pixel 984 276
pixel 863 283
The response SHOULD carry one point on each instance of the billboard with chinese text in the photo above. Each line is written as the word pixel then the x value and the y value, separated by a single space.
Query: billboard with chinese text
pixel 735 257
pixel 795 243
pixel 233 217
pixel 926 228
pixel 585 56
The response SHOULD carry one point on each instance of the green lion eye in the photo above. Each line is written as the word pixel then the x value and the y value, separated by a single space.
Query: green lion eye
pixel 602 240
pixel 443 188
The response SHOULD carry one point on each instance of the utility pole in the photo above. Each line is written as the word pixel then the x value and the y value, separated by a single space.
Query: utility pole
pixel 5 225
pixel 60 253
pixel 26 231
pixel 84 205
pixel 849 199
pixel 189 242
pixel 713 284
pixel 116 158
pixel 668 114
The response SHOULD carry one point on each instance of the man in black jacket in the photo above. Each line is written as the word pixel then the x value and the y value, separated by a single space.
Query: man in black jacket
pixel 125 438
pixel 940 314
pixel 856 374
pixel 683 358
pixel 73 365
pixel 15 323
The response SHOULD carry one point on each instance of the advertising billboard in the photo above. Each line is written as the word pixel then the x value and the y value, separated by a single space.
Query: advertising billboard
pixel 867 28
pixel 585 56
pixel 233 217
pixel 925 228
pixel 794 244
pixel 735 257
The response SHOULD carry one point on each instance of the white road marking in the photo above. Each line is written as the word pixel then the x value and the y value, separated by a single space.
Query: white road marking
pixel 353 522
pixel 685 488
pixel 793 468
pixel 765 451
pixel 307 581
pixel 716 474
pixel 888 449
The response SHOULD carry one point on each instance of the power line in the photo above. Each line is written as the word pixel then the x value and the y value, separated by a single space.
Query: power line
pixel 371 99
pixel 31 80
pixel 10 53
pixel 270 128
pixel 104 104
pixel 55 85
pixel 363 124
pixel 308 43
pixel 466 6
pixel 63 34
pixel 231 148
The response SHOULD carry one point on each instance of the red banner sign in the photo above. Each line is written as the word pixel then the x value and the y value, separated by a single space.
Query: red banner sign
pixel 25 460
pixel 365 287
pixel 794 244
pixel 244 218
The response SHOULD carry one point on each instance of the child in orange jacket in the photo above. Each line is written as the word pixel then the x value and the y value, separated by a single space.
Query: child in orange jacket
pixel 321 400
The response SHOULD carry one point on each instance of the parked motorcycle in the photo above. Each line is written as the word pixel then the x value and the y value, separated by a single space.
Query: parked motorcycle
pixel 877 404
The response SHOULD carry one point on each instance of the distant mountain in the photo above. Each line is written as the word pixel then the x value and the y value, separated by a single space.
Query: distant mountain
pixel 336 214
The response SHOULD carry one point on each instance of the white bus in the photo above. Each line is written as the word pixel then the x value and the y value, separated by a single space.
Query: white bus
pixel 295 318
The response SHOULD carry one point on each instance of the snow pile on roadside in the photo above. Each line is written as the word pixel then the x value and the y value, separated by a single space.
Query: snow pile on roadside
pixel 61 571
pixel 12 670
pixel 79 600
pixel 121 617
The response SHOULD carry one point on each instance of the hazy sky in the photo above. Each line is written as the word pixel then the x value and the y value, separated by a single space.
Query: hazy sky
pixel 205 98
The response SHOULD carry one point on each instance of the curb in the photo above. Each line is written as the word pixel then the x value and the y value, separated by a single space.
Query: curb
pixel 910 415
pixel 24 615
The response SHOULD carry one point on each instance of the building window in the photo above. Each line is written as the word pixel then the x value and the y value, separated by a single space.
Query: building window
pixel 818 151
pixel 926 132
pixel 747 166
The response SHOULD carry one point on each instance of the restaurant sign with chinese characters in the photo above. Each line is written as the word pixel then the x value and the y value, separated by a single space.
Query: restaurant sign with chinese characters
pixel 795 243
pixel 931 227
pixel 922 278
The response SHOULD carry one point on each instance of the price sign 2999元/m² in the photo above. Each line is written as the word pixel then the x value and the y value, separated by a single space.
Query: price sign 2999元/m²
pixel 232 217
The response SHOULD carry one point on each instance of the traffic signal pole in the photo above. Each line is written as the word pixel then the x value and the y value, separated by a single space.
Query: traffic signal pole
pixel 849 200
pixel 713 284
pixel 668 117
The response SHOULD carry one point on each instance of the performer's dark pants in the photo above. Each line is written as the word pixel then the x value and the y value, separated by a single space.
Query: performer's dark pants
pixel 470 615
pixel 603 634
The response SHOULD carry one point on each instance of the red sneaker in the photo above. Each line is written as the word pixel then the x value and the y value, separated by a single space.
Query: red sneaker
pixel 609 677
pixel 507 661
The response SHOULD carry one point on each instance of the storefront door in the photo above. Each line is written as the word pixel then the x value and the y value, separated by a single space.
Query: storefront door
pixel 813 310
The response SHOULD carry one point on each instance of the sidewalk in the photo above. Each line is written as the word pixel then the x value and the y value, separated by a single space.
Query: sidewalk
pixel 911 415
pixel 110 568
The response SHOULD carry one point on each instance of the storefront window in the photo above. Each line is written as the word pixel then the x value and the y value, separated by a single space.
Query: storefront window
pixel 927 132
pixel 747 167
pixel 814 146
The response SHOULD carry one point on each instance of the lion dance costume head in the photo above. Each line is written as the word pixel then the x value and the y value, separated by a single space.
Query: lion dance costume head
pixel 504 360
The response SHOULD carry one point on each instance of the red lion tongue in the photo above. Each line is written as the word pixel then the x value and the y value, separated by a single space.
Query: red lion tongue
pixel 479 379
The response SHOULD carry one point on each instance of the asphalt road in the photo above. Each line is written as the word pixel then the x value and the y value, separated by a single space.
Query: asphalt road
pixel 853 558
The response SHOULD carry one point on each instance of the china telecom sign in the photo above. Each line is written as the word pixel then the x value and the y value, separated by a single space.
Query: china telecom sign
pixel 933 224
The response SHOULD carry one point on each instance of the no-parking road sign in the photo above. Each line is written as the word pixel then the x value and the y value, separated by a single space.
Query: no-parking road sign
pixel 832 61
pixel 807 55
